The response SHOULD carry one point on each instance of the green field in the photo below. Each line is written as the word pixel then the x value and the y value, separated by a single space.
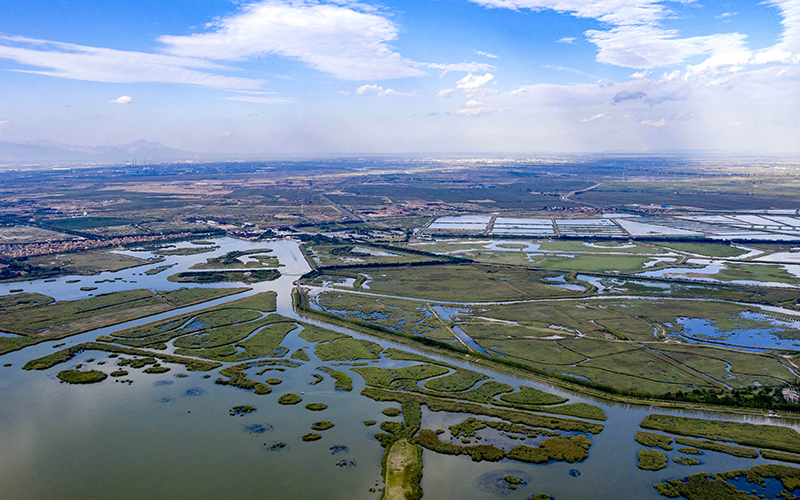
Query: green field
pixel 704 249
pixel 462 283
pixel 621 344
pixel 593 263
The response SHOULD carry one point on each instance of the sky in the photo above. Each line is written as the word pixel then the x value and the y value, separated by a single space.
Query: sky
pixel 414 76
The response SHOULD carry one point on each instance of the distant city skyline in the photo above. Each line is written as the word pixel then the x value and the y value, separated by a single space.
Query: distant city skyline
pixel 345 77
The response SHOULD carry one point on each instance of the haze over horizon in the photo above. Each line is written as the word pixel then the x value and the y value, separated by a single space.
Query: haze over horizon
pixel 319 77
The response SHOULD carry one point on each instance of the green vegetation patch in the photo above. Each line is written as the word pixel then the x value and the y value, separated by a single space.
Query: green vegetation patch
pixel 430 440
pixel 81 377
pixel 67 354
pixel 62 319
pixel 322 425
pixel 241 410
pixel 469 427
pixel 391 411
pixel 439 404
pixel 653 440
pixel 463 282
pixel 652 460
pixel 686 461
pixel 403 471
pixel 342 381
pixel 215 337
pixel 159 269
pixel 580 410
pixel 592 263
pixel 706 249
pixel 783 457
pixel 718 447
pixel 153 370
pixel 274 381
pixel 237 378
pixel 316 406
pixel 300 354
pixel 237 311
pixel 311 436
pixel 348 349
pixel 246 277
pixel 692 451
pixel 571 449
pixel 289 399
pixel 460 380
pixel 231 260
pixel 703 486
pixel 18 301
pixel 384 377
pixel 763 436
pixel 313 333
pixel 530 396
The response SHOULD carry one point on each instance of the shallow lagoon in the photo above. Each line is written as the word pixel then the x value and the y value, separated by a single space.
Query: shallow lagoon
pixel 155 439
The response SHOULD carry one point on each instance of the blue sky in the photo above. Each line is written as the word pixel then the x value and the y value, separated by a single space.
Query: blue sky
pixel 433 76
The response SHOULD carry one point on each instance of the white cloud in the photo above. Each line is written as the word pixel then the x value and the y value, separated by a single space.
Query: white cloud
pixel 80 62
pixel 471 82
pixel 790 10
pixel 2 122
pixel 728 62
pixel 774 55
pixel 225 134
pixel 376 91
pixel 125 99
pixel 647 46
pixel 607 11
pixel 634 37
pixel 465 67
pixel 445 93
pixel 594 118
pixel 668 77
pixel 346 40
pixel 485 54
pixel 472 103
pixel 566 39
pixel 639 75
pixel 657 124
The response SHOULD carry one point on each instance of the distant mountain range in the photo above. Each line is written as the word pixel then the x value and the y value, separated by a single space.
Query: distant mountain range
pixel 48 152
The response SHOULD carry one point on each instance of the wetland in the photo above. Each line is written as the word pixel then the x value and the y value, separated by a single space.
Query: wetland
pixel 435 412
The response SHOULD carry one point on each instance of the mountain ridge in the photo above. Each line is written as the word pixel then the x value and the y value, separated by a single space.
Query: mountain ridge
pixel 50 152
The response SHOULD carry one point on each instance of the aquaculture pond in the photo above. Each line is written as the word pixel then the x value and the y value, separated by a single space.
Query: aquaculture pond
pixel 274 408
